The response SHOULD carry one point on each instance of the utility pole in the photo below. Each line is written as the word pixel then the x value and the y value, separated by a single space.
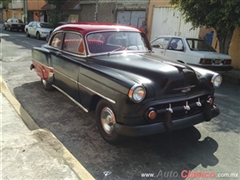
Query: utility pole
pixel 25 14
pixel 96 12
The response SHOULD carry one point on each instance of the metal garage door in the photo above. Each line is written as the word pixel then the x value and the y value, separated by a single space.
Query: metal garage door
pixel 133 18
pixel 169 21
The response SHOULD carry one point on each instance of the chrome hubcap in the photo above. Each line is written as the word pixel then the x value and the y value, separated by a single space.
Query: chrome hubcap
pixel 108 120
pixel 44 83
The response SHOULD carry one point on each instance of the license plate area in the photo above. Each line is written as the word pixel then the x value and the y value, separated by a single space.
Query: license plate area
pixel 217 61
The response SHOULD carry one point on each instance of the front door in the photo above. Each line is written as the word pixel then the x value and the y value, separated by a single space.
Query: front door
pixel 175 50
pixel 66 66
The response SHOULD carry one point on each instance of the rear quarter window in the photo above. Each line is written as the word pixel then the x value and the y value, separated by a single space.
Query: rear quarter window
pixel 57 40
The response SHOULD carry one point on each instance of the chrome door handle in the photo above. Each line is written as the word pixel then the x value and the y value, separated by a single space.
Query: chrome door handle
pixel 58 54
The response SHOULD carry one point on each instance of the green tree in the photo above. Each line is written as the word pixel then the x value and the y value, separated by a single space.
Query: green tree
pixel 222 15
pixel 4 3
pixel 56 13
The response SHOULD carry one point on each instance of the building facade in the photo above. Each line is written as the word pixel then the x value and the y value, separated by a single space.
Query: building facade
pixel 116 11
pixel 13 9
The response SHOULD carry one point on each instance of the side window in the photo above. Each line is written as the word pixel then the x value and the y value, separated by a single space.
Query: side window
pixel 33 24
pixel 176 44
pixel 73 43
pixel 56 40
pixel 160 43
pixel 190 44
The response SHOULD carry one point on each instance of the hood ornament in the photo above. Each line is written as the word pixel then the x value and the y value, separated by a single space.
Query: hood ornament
pixel 186 90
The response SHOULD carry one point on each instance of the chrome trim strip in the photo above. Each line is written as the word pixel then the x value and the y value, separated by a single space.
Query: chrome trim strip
pixel 66 76
pixel 104 97
pixel 70 98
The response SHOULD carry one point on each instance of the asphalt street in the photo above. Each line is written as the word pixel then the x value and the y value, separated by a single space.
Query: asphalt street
pixel 208 147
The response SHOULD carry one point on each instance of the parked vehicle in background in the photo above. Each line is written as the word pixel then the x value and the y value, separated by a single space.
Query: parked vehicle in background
pixel 40 30
pixel 111 69
pixel 59 24
pixel 14 24
pixel 191 51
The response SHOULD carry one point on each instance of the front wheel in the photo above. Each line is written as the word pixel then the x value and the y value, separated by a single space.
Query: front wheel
pixel 38 35
pixel 106 119
pixel 27 34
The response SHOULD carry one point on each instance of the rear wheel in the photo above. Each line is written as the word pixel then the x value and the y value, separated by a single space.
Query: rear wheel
pixel 106 119
pixel 47 84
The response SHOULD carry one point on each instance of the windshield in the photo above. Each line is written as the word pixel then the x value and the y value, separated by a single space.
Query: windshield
pixel 107 42
pixel 199 45
pixel 44 25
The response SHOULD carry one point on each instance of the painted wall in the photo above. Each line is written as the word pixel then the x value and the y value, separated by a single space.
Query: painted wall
pixel 234 50
pixel 18 13
pixel 35 5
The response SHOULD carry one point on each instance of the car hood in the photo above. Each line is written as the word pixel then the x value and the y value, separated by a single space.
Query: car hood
pixel 212 55
pixel 164 76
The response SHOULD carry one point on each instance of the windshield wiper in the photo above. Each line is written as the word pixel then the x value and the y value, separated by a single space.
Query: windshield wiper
pixel 120 48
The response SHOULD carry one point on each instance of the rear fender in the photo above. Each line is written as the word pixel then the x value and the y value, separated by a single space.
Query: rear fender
pixel 42 71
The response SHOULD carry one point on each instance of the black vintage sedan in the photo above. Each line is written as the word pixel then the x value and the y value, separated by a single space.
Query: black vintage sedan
pixel 111 69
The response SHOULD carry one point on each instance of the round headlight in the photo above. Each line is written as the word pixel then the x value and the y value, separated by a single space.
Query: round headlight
pixel 216 80
pixel 137 93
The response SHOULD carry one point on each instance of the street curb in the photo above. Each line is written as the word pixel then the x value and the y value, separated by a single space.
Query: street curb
pixel 28 121
pixel 73 163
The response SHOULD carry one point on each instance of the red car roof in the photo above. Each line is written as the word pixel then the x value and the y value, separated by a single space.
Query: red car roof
pixel 86 27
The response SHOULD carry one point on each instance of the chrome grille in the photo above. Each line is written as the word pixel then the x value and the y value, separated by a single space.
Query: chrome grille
pixel 181 109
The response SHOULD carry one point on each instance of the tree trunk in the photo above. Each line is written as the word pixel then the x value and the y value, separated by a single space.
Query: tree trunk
pixel 225 40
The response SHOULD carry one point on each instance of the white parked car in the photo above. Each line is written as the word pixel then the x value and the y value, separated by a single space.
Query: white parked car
pixel 192 51
pixel 38 29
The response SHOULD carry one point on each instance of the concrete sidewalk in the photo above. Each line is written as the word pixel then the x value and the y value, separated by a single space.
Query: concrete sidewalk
pixel 32 154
